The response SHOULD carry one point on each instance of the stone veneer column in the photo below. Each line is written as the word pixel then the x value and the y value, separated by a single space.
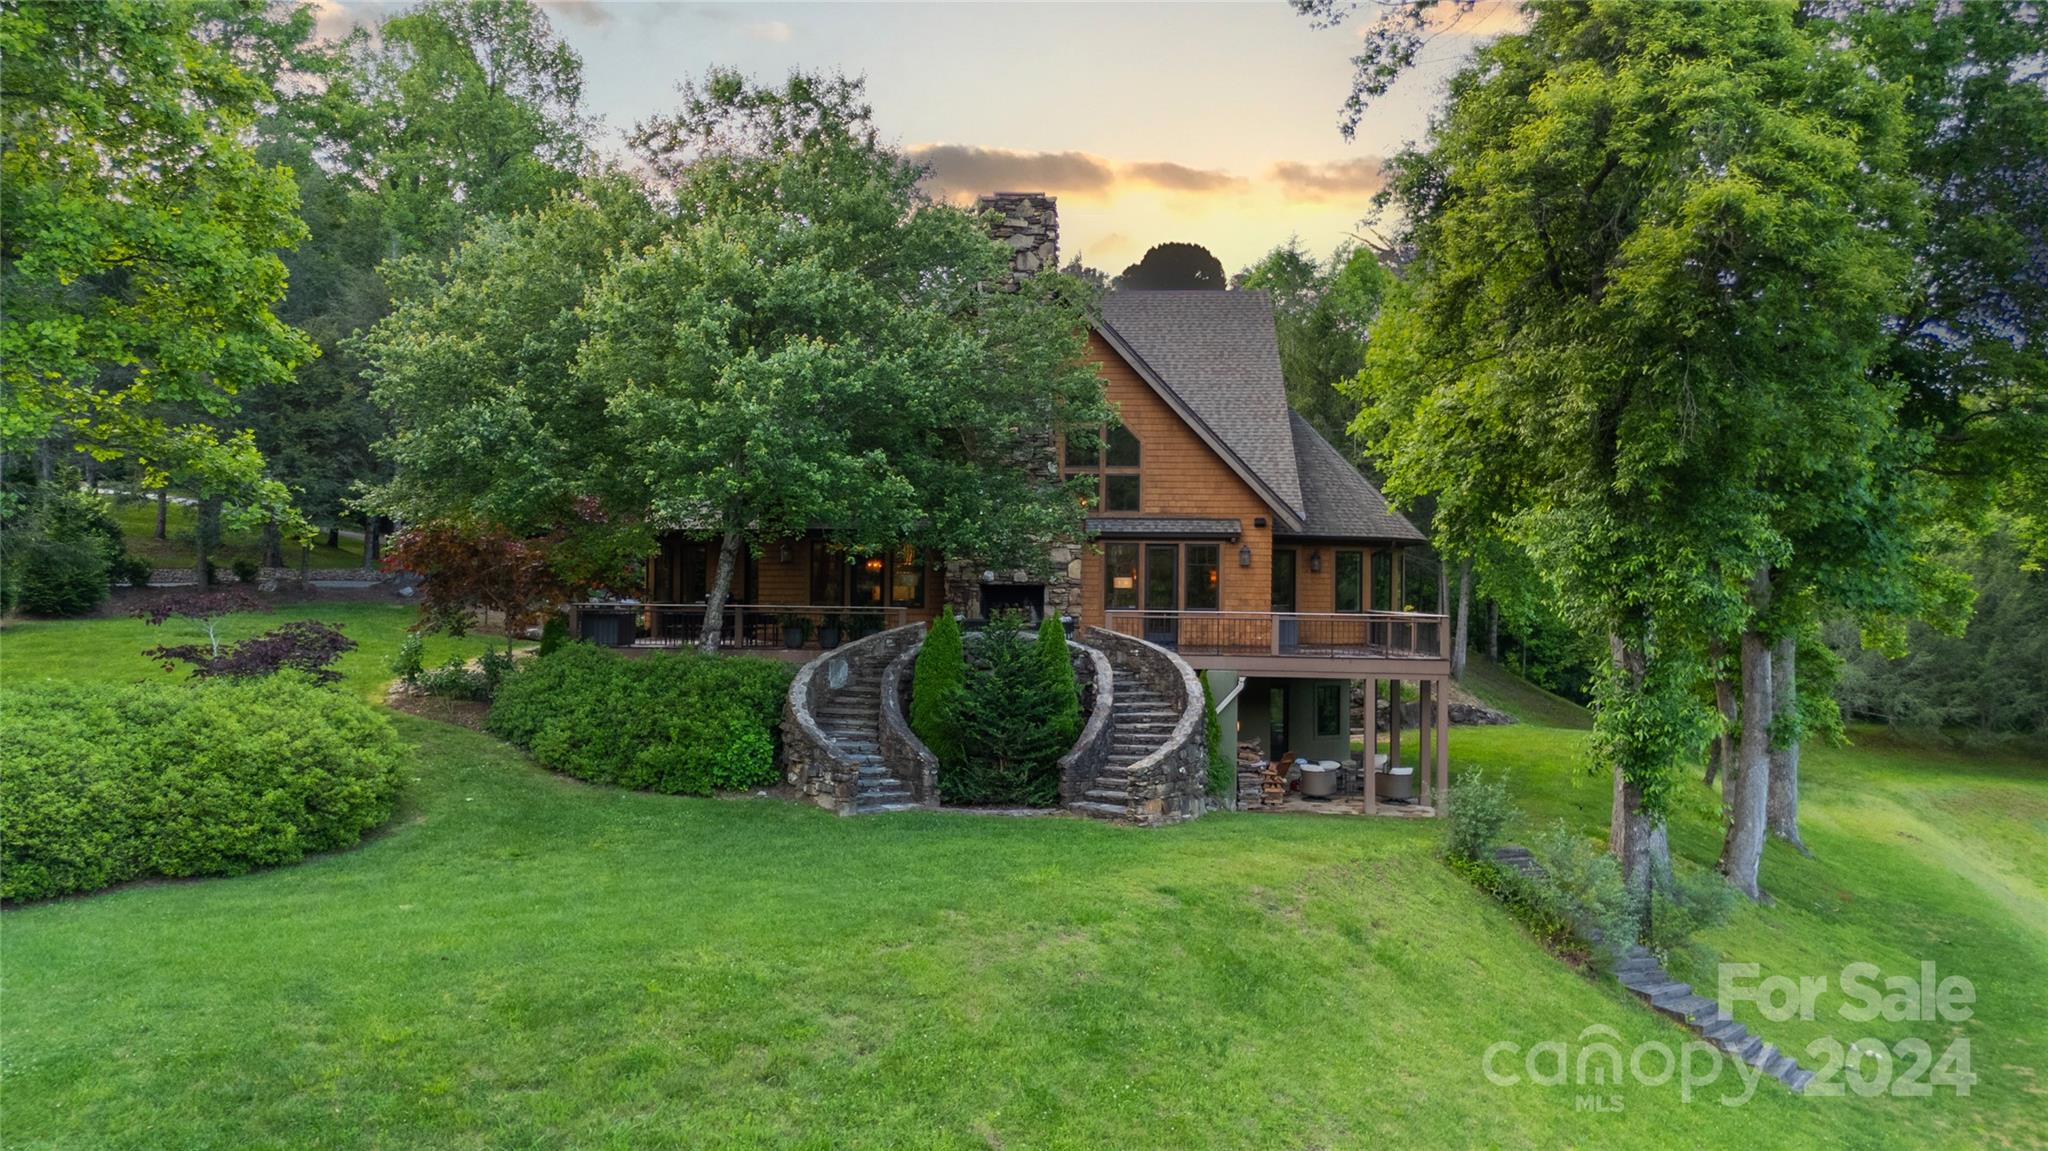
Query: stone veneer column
pixel 1029 223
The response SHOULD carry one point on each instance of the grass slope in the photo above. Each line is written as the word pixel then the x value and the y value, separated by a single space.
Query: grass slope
pixel 521 960
pixel 137 518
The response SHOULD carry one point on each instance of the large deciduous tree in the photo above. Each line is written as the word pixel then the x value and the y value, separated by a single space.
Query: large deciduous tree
pixel 820 343
pixel 1657 247
pixel 140 255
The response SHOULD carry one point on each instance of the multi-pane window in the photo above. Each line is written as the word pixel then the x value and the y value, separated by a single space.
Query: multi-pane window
pixel 1200 592
pixel 1167 577
pixel 1283 579
pixel 1120 570
pixel 1350 581
pixel 1109 457
pixel 1329 709
pixel 906 578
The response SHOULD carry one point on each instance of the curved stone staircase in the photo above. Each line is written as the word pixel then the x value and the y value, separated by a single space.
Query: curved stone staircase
pixel 1140 758
pixel 1153 765
pixel 836 737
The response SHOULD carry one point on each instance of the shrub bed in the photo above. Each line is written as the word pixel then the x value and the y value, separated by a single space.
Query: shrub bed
pixel 106 783
pixel 677 722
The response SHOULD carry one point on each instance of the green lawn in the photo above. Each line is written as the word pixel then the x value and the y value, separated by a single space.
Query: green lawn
pixel 137 518
pixel 525 961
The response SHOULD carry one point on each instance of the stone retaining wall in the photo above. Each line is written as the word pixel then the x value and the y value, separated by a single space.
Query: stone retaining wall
pixel 1079 767
pixel 905 755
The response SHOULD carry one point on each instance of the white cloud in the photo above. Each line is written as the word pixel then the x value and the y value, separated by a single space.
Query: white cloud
pixel 772 31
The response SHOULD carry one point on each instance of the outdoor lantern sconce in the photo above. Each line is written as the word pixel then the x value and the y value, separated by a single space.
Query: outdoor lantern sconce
pixel 1315 560
pixel 783 555
pixel 1244 556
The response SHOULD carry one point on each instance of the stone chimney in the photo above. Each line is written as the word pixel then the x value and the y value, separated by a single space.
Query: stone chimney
pixel 1029 222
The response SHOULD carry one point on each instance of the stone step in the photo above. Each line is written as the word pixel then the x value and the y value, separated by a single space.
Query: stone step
pixel 1797 1079
pixel 1723 1031
pixel 1651 991
pixel 885 808
pixel 1687 1008
pixel 1780 1066
pixel 1762 1056
pixel 1747 1049
pixel 1109 795
pixel 1111 810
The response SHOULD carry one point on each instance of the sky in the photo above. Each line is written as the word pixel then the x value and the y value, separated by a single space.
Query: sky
pixel 1151 122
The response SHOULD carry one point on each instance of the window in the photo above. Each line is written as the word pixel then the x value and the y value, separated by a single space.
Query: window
pixel 906 578
pixel 1202 590
pixel 1120 569
pixel 1162 563
pixel 1329 709
pixel 1350 581
pixel 1383 580
pixel 1110 457
pixel 1283 579
pixel 867 581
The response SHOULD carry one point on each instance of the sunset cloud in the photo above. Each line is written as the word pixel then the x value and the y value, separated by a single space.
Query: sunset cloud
pixel 1181 178
pixel 1333 179
pixel 963 169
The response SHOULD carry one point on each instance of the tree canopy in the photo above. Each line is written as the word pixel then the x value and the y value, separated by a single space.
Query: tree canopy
pixel 1175 266
pixel 1658 247
pixel 141 266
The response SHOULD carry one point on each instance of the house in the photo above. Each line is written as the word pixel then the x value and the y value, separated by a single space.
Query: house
pixel 1225 531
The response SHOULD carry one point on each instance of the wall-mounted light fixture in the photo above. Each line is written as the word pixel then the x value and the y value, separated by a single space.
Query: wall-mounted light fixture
pixel 1244 556
pixel 1315 560
pixel 783 554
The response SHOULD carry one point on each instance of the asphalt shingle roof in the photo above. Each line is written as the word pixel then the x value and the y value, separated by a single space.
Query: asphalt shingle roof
pixel 1218 352
pixel 1143 526
pixel 1342 503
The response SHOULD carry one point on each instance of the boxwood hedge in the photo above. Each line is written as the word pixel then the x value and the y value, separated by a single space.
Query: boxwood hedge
pixel 105 783
pixel 678 722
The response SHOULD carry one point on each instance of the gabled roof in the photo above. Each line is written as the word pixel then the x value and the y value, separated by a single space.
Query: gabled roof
pixel 1218 353
pixel 1215 357
pixel 1342 503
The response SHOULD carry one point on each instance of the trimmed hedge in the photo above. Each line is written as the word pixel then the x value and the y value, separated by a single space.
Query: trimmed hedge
pixel 679 722
pixel 106 783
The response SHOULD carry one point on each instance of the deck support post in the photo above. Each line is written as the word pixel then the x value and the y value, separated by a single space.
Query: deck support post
pixel 1372 747
pixel 1393 724
pixel 1443 750
pixel 1424 689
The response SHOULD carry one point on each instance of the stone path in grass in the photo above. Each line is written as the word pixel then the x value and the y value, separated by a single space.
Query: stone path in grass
pixel 1641 973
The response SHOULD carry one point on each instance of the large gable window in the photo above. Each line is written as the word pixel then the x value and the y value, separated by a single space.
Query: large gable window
pixel 1108 456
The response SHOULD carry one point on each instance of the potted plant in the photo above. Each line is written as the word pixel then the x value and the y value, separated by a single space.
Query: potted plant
pixel 795 630
pixel 828 631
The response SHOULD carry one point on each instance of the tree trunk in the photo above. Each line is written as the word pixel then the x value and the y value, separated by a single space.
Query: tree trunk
pixel 1493 631
pixel 334 537
pixel 1638 842
pixel 1781 808
pixel 721 587
pixel 273 545
pixel 163 513
pixel 370 543
pixel 1748 785
pixel 206 537
pixel 1722 752
pixel 1462 642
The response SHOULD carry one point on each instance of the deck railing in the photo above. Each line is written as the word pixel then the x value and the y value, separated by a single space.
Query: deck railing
pixel 624 624
pixel 1314 635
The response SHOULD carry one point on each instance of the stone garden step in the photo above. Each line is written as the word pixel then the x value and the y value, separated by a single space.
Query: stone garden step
pixel 1111 810
pixel 1108 795
pixel 885 808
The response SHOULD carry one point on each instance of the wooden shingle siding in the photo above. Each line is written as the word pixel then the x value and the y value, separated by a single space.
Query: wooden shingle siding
pixel 1181 476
